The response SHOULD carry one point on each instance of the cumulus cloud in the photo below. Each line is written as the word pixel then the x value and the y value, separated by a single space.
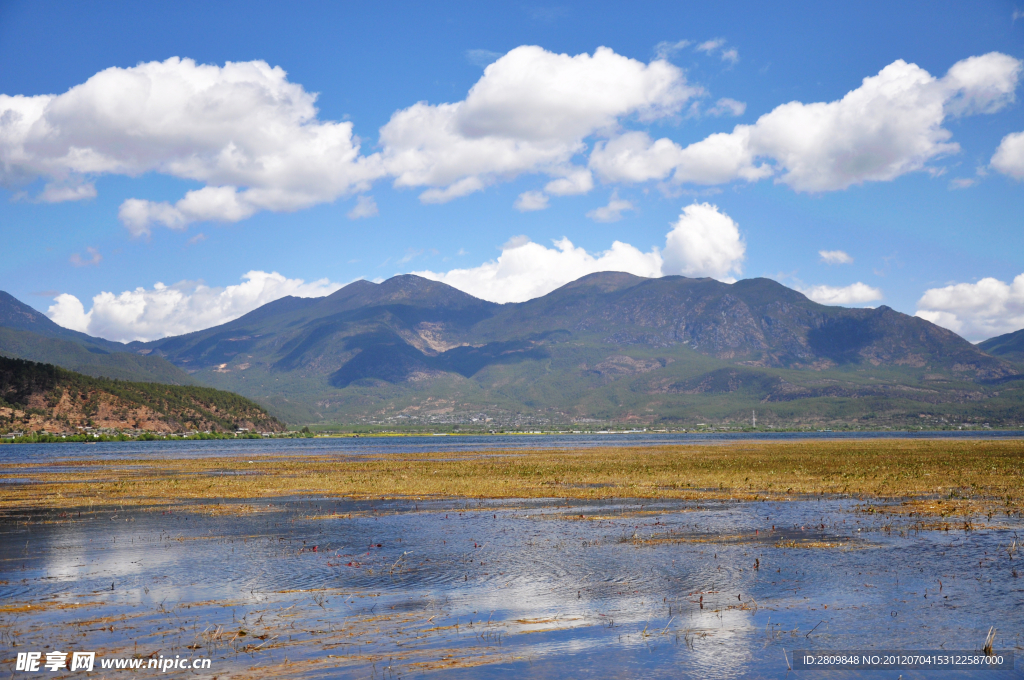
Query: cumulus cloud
pixel 526 270
pixel 703 242
pixel 529 201
pixel 365 207
pixel 854 294
pixel 977 311
pixel 611 212
pixel 983 84
pixel 1009 157
pixel 149 314
pixel 253 140
pixel 243 130
pixel 834 257
pixel 529 113
pixel 93 257
pixel 720 158
pixel 887 127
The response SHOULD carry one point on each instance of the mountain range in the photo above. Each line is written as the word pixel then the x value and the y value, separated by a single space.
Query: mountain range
pixel 607 348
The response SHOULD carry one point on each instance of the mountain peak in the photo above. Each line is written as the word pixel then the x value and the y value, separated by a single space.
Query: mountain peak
pixel 407 289
pixel 606 282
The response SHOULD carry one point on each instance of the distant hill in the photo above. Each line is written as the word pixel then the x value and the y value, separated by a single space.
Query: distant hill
pixel 27 334
pixel 610 347
pixel 36 396
pixel 1009 346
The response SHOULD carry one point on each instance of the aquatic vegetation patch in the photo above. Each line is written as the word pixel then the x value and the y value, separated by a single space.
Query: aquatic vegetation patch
pixel 967 476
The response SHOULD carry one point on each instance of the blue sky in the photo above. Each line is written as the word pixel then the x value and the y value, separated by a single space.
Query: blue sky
pixel 911 220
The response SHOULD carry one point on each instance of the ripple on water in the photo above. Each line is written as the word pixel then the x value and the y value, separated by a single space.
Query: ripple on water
pixel 658 589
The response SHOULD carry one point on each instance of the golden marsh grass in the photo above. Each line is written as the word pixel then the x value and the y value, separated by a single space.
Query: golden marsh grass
pixel 934 477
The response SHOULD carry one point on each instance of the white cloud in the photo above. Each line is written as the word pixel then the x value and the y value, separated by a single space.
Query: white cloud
pixel 633 157
pixel 720 158
pixel 253 140
pixel 977 311
pixel 835 257
pixel 93 259
pixel 148 314
pixel 243 130
pixel 666 49
pixel 854 294
pixel 727 107
pixel 703 242
pixel 709 46
pixel 526 270
pixel 529 113
pixel 73 190
pixel 611 212
pixel 576 181
pixel 1009 157
pixel 887 127
pixel 365 207
pixel 67 311
pixel 529 201
pixel 983 84
pixel 962 183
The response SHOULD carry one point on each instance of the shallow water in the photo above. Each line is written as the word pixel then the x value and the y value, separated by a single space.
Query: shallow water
pixel 381 446
pixel 537 589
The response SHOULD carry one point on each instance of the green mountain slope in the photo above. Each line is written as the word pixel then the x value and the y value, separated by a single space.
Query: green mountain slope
pixel 27 334
pixel 608 347
pixel 90 359
pixel 36 397
pixel 1009 346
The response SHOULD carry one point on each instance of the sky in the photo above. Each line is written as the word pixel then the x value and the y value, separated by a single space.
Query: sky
pixel 166 167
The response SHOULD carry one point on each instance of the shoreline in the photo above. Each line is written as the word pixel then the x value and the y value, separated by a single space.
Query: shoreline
pixel 747 434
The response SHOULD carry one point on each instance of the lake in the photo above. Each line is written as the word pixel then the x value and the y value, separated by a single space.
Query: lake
pixel 382 446
pixel 320 587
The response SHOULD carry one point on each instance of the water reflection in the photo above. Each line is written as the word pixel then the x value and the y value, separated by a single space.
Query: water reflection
pixel 322 588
